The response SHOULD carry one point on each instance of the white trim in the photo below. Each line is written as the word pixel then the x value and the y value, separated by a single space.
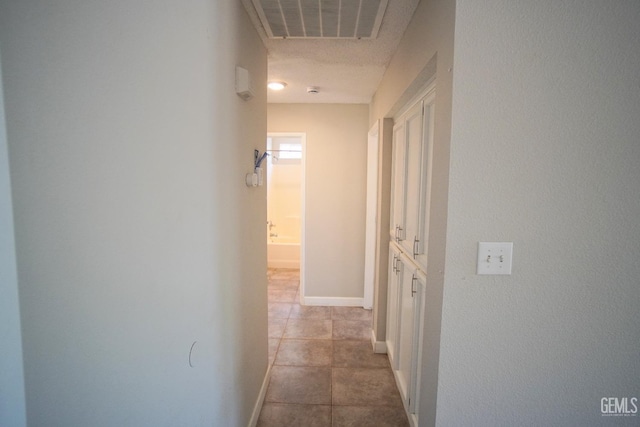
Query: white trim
pixel 263 392
pixel 333 301
pixel 379 347
pixel 422 93
pixel 371 219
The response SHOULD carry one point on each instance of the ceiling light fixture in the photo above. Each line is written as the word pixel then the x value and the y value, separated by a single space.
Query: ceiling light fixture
pixel 276 85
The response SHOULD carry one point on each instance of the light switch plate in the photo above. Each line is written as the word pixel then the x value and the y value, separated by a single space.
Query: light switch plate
pixel 495 257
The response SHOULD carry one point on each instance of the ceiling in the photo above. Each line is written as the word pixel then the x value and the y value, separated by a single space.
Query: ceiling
pixel 345 70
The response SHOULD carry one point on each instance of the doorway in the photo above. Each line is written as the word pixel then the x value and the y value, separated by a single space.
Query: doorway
pixel 285 201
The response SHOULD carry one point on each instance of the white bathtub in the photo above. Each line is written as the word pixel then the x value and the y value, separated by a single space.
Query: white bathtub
pixel 282 253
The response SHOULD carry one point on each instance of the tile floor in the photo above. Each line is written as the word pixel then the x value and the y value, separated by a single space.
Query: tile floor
pixel 324 371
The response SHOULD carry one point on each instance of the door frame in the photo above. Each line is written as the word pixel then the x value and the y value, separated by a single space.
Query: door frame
pixel 303 174
pixel 371 217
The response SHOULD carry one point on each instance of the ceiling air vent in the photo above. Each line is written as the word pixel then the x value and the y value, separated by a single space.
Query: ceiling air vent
pixel 336 19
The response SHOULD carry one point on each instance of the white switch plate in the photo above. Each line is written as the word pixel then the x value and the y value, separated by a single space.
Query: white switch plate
pixel 495 257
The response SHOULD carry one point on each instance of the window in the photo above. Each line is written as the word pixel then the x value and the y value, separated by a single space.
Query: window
pixel 285 149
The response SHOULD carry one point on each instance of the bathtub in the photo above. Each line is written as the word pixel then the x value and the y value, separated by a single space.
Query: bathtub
pixel 282 252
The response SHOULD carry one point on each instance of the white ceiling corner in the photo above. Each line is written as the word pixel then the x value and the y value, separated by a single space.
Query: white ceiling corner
pixel 346 71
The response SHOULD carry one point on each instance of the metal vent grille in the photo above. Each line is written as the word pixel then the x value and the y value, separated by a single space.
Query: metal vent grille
pixel 350 19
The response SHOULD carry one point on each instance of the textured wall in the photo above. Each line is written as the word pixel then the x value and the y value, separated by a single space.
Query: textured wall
pixel 335 191
pixel 544 153
pixel 136 235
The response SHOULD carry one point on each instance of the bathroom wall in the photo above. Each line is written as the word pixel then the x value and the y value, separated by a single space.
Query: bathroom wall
pixel 136 235
pixel 335 159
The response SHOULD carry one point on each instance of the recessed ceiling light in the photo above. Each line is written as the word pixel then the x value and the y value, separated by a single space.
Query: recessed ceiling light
pixel 276 85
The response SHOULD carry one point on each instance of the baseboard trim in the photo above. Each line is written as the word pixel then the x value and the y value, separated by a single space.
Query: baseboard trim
pixel 334 301
pixel 379 347
pixel 263 392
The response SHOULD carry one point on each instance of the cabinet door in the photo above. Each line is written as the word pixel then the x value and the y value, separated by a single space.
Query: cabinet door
pixel 413 137
pixel 421 239
pixel 398 194
pixel 395 274
pixel 410 337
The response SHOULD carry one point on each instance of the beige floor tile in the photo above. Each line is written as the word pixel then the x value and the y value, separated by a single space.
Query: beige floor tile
pixel 279 310
pixel 369 416
pixel 281 295
pixel 276 327
pixel 284 284
pixel 310 312
pixel 284 274
pixel 350 313
pixel 294 384
pixel 291 415
pixel 308 328
pixel 364 387
pixel 357 354
pixel 294 352
pixel 273 349
pixel 322 356
pixel 351 330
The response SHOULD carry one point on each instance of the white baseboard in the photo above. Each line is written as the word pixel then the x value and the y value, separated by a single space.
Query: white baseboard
pixel 333 301
pixel 263 392
pixel 378 346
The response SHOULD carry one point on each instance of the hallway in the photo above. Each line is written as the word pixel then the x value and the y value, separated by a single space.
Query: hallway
pixel 324 371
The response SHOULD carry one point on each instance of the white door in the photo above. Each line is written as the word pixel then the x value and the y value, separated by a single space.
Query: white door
pixel 398 180
pixel 410 336
pixel 426 167
pixel 413 136
pixel 393 309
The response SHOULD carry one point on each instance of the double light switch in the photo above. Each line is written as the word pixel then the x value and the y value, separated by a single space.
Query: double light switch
pixel 495 257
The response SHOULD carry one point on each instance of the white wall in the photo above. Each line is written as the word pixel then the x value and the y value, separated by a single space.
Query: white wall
pixel 12 400
pixel 136 235
pixel 335 191
pixel 544 152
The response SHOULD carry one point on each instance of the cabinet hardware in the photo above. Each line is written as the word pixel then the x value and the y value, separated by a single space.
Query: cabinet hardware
pixel 398 234
pixel 415 246
pixel 413 287
pixel 395 270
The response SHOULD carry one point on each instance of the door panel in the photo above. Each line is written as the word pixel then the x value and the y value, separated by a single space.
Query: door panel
pixel 426 167
pixel 398 180
pixel 413 136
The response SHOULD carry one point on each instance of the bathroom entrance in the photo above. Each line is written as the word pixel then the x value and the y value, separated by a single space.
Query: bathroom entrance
pixel 285 199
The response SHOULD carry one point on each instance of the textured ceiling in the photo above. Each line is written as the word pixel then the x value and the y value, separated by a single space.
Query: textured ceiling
pixel 344 71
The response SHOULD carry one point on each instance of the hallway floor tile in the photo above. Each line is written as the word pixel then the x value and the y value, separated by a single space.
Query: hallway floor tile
pixel 324 370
